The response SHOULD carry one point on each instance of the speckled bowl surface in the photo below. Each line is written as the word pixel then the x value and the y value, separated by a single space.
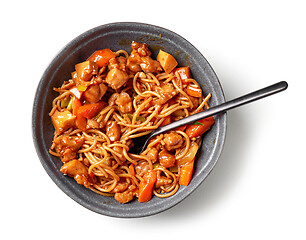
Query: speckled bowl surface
pixel 119 36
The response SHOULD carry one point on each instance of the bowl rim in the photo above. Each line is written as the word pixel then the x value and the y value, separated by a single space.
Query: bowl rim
pixel 37 139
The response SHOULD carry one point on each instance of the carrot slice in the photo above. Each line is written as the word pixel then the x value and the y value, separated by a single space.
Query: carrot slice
pixel 194 91
pixel 201 126
pixel 80 121
pixel 186 172
pixel 166 121
pixel 102 57
pixel 146 186
pixel 91 110
pixel 184 73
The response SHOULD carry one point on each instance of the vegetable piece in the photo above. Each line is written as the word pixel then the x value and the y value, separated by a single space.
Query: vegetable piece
pixel 82 88
pixel 102 57
pixel 65 102
pixel 166 121
pixel 77 93
pixel 132 169
pixel 194 91
pixel 86 69
pixel 146 186
pixel 166 60
pixel 62 120
pixel 91 110
pixel 181 128
pixel 186 173
pixel 80 120
pixel 184 73
pixel 190 155
pixel 197 130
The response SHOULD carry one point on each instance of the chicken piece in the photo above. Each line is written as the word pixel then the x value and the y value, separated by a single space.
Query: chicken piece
pixel 141 48
pixel 121 187
pixel 173 141
pixel 161 180
pixel 78 171
pixel 149 65
pixel 133 62
pixel 142 168
pixel 126 196
pixel 116 78
pixel 94 92
pixel 113 131
pixel 140 59
pixel 118 62
pixel 85 70
pixel 62 120
pixel 124 103
pixel 112 99
pixel 166 159
pixel 67 146
pixel 92 123
pixel 152 155
pixel 166 92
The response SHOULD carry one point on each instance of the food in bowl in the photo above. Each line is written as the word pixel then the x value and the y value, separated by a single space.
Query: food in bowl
pixel 114 97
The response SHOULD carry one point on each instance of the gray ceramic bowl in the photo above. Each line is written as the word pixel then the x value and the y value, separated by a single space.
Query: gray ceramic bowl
pixel 119 36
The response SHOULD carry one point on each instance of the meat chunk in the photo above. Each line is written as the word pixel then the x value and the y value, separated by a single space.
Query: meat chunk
pixel 85 70
pixel 166 159
pixel 113 131
pixel 121 187
pixel 67 146
pixel 126 196
pixel 78 171
pixel 141 48
pixel 149 65
pixel 118 62
pixel 173 141
pixel 142 168
pixel 94 92
pixel 116 78
pixel 140 59
pixel 166 92
pixel 152 155
pixel 162 181
pixel 62 120
pixel 124 103
pixel 112 99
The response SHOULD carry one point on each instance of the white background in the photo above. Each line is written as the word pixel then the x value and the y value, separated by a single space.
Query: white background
pixel 257 189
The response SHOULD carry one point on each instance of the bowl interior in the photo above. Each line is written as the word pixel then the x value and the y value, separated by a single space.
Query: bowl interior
pixel 119 36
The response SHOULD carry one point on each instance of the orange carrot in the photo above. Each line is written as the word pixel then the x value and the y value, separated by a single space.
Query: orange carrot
pixel 181 128
pixel 102 57
pixel 80 121
pixel 186 173
pixel 193 91
pixel 199 127
pixel 166 121
pixel 146 186
pixel 91 110
pixel 184 73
